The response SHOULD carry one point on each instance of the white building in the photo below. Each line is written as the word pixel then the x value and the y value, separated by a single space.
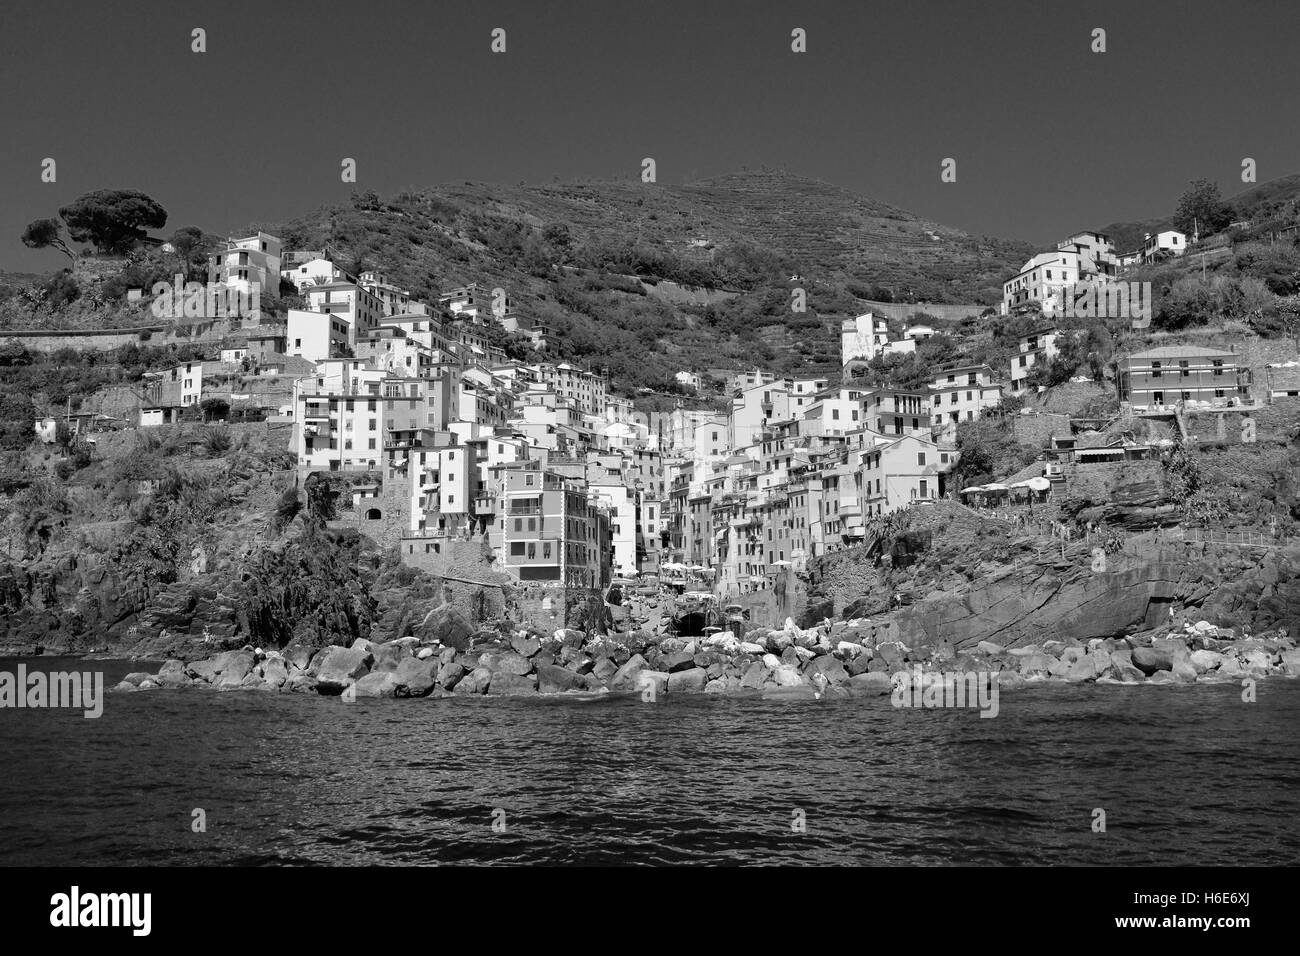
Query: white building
pixel 1036 347
pixel 254 260
pixel 1047 277
pixel 314 272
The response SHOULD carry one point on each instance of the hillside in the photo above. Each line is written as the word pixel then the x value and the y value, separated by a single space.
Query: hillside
pixel 1270 205
pixel 568 252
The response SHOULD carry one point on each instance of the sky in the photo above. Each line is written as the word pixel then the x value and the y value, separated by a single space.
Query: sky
pixel 1049 137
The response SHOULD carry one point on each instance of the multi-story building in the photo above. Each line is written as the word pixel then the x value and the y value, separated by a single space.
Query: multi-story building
pixel 248 262
pixel 169 392
pixel 315 336
pixel 753 409
pixel 588 391
pixel 1048 277
pixel 890 411
pixel 550 529
pixel 1182 373
pixel 357 308
pixel 1163 245
pixel 1037 347
pixel 338 417
pixel 961 393
pixel 310 272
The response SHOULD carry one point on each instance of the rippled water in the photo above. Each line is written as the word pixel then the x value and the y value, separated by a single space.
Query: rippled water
pixel 1185 775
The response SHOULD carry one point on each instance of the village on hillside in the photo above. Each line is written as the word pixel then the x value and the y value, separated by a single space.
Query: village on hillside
pixel 460 456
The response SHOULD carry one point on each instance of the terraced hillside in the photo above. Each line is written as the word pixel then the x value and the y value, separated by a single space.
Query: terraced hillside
pixel 565 252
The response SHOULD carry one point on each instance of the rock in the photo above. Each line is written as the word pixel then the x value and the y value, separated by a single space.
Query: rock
pixel 1037 664
pixel 646 677
pixel 506 663
pixel 1009 680
pixel 449 674
pixel 1161 677
pixel 756 673
pixel 524 645
pixel 336 667
pixel 748 647
pixel 509 684
pixel 989 648
pixel 233 667
pixel 415 678
pixel 447 655
pixel 137 678
pixel 377 684
pixel 690 681
pixel 554 679
pixel 604 670
pixel 848 650
pixel 829 668
pixel 871 684
pixel 716 686
pixel 625 677
pixel 677 661
pixel 446 625
pixel 172 666
pixel 1149 660
pixel 275 673
pixel 771 661
pixel 1291 663
pixel 299 656
pixel 124 687
pixel 1184 671
pixel 389 656
pixel 298 682
pixel 475 682
pixel 424 653
pixel 1204 661
pixel 361 644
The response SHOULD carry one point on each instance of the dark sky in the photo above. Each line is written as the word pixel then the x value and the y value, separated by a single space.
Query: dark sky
pixel 1049 137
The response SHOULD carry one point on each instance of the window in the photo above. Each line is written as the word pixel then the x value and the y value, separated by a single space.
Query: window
pixel 920 458
pixel 519 524
pixel 1155 369
pixel 517 549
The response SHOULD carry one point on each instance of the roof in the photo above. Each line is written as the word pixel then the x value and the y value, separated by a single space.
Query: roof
pixel 1181 351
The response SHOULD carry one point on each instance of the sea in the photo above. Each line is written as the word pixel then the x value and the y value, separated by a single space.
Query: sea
pixel 1081 774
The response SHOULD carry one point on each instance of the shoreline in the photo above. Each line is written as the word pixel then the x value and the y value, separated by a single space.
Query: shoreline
pixel 825 662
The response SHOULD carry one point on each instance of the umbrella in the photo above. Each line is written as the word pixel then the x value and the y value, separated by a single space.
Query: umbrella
pixel 1039 484
pixel 994 487
pixel 966 491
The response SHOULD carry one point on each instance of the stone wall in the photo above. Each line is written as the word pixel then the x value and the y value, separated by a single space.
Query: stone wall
pixel 905 310
pixel 1273 422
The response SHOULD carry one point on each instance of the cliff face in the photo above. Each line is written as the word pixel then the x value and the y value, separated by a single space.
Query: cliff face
pixel 1016 591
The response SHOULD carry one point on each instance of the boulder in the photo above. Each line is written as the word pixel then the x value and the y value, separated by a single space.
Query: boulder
pixel 787 676
pixel 829 668
pixel 233 667
pixel 336 667
pixel 415 678
pixel 137 678
pixel 554 679
pixel 716 686
pixel 449 674
pixel 848 650
pixel 604 670
pixel 525 646
pixel 172 666
pixel 1204 661
pixel 1291 663
pixel 424 653
pixel 1009 680
pixel 989 648
pixel 1149 660
pixel 275 673
pixel 1037 664
pixel 507 663
pixel 690 681
pixel 377 684
pixel 771 661
pixel 748 647
pixel 509 684
pixel 646 678
pixel 625 677
pixel 756 673
pixel 389 656
pixel 298 682
pixel 475 682
pixel 871 684
pixel 446 625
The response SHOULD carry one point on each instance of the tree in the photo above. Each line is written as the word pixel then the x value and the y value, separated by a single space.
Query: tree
pixel 193 248
pixel 44 234
pixel 113 219
pixel 1202 209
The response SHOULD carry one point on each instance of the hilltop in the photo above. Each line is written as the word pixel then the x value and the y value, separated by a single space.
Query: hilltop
pixel 647 279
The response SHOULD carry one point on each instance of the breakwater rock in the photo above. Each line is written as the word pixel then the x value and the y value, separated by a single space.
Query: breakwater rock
pixel 851 658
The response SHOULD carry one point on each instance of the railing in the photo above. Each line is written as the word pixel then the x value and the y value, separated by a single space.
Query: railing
pixel 1245 539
